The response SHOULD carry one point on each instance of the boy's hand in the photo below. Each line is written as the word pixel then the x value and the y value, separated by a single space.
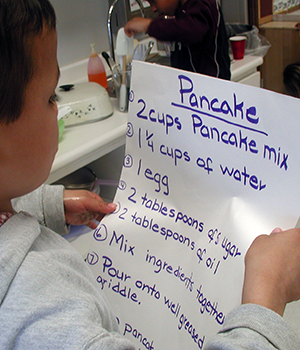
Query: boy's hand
pixel 272 270
pixel 82 207
pixel 137 25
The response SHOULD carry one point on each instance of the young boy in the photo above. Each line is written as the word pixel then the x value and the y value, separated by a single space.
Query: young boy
pixel 48 296
pixel 197 29
pixel 48 299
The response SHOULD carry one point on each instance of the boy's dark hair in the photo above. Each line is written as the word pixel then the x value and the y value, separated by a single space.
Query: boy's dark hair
pixel 20 22
pixel 291 79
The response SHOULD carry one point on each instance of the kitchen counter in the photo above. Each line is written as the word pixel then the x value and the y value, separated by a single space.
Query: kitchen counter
pixel 83 144
pixel 240 69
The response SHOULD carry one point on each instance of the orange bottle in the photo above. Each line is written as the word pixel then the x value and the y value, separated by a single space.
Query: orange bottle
pixel 96 70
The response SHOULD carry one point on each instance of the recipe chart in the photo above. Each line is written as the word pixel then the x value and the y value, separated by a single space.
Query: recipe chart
pixel 209 165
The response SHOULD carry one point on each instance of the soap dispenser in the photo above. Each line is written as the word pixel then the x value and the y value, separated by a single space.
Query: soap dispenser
pixel 96 70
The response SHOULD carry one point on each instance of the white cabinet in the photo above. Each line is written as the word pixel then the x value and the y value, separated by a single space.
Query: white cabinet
pixel 252 79
pixel 245 71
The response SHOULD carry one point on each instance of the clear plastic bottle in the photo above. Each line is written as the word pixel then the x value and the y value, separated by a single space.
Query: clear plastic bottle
pixel 96 70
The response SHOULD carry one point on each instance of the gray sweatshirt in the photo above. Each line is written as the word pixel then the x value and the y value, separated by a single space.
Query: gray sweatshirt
pixel 49 300
pixel 253 327
pixel 48 296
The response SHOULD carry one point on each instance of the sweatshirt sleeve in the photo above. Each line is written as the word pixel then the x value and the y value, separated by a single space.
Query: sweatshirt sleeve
pixel 254 327
pixel 46 205
pixel 190 25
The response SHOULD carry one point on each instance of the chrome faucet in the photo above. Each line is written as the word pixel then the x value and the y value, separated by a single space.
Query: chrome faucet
pixel 109 28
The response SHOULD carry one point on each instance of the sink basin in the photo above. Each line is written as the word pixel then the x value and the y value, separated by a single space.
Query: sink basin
pixel 159 58
pixel 158 54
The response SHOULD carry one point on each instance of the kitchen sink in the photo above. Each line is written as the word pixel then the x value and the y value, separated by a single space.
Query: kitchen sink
pixel 158 54
pixel 159 58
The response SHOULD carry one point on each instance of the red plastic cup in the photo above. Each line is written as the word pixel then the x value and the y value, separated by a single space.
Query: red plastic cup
pixel 238 44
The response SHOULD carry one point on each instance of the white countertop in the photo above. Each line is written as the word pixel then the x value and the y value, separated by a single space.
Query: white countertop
pixel 242 68
pixel 85 143
pixel 82 144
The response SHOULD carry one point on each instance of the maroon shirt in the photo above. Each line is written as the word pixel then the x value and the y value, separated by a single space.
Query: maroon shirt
pixel 199 33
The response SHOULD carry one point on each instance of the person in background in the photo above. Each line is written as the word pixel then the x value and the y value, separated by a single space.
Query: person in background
pixel 197 31
pixel 291 79
pixel 49 298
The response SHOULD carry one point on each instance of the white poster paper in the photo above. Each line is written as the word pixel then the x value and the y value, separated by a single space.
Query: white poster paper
pixel 209 165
